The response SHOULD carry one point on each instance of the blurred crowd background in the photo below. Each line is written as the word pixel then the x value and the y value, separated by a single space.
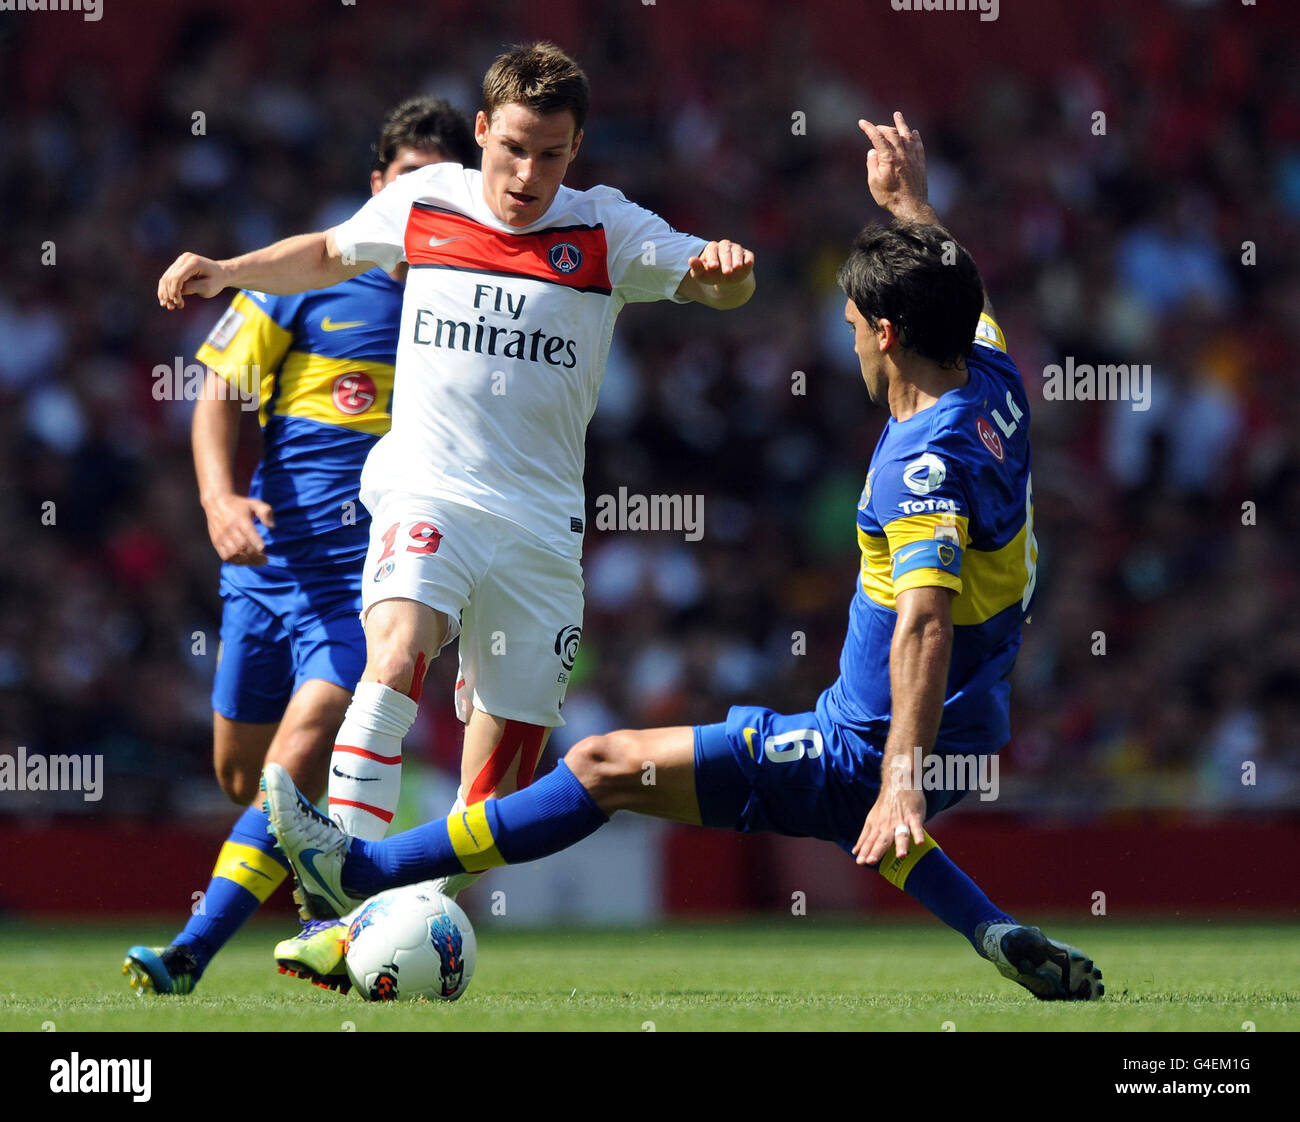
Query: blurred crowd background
pixel 1117 240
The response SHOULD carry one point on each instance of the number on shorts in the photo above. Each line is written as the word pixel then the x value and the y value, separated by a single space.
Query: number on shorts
pixel 786 747
pixel 388 537
pixel 426 537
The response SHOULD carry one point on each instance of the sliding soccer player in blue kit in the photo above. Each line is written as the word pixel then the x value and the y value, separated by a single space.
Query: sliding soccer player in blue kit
pixel 948 566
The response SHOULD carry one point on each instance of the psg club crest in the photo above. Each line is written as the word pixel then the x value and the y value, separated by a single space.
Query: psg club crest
pixel 565 257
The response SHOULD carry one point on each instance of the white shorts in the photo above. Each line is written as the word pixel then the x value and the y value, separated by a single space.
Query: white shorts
pixel 515 603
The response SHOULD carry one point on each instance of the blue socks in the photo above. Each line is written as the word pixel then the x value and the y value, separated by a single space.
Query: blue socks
pixel 939 885
pixel 550 815
pixel 248 870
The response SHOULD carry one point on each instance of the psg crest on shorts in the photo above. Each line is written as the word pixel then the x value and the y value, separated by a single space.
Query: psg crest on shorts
pixel 565 257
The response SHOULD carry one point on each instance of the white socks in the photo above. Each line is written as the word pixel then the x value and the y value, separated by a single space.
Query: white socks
pixel 366 768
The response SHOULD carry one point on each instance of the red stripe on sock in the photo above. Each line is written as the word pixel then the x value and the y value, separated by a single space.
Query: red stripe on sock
pixel 363 806
pixel 367 754
pixel 515 736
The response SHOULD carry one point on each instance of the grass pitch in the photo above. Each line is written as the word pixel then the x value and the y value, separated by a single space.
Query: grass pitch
pixel 788 974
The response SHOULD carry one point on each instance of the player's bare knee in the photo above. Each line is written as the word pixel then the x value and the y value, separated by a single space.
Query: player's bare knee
pixel 240 784
pixel 304 752
pixel 394 665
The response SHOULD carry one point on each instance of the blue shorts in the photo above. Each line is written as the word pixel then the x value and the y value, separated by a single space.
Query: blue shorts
pixel 271 644
pixel 795 774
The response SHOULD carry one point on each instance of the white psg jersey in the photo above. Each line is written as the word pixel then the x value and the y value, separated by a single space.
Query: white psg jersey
pixel 505 332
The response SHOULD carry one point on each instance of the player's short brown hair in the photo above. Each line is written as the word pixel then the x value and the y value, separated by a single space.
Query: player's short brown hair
pixel 920 279
pixel 422 123
pixel 540 77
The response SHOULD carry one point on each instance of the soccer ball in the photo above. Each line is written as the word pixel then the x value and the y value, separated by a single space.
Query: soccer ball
pixel 410 942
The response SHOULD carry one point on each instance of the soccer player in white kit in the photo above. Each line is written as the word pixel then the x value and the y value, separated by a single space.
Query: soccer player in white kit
pixel 476 492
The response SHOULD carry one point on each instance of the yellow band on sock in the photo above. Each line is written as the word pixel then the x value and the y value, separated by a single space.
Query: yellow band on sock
pixel 895 869
pixel 472 839
pixel 249 868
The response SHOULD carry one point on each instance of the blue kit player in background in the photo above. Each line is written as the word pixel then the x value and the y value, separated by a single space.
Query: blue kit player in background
pixel 292 647
pixel 945 526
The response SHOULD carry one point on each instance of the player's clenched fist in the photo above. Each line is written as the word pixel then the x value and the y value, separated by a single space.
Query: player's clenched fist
pixel 190 275
pixel 722 262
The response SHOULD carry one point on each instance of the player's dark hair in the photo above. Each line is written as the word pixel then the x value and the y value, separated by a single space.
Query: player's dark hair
pixel 920 279
pixel 423 123
pixel 540 77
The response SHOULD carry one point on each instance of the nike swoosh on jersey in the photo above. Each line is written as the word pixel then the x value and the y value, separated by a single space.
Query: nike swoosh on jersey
pixel 444 241
pixel 749 741
pixel 328 324
pixel 909 554
pixel 354 778
pixel 306 858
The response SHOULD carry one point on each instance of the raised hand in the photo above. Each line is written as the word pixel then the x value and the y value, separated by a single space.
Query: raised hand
pixel 896 169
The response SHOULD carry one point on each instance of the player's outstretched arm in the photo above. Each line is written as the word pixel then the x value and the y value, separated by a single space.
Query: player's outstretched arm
pixel 918 672
pixel 721 276
pixel 293 265
pixel 896 174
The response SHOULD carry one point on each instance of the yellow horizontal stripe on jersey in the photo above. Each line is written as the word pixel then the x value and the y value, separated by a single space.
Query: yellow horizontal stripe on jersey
pixel 989 331
pixel 927 578
pixel 472 840
pixel 923 528
pixel 310 387
pixel 253 353
pixel 994 581
pixel 877 574
pixel 878 551
pixel 991 580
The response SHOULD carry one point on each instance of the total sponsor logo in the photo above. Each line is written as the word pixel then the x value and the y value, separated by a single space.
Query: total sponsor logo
pixel 927 506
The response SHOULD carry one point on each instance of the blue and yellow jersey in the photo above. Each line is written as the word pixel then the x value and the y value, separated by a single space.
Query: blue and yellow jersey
pixel 948 502
pixel 322 363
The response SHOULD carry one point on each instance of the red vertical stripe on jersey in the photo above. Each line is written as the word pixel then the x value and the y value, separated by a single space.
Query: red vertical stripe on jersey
pixel 463 243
